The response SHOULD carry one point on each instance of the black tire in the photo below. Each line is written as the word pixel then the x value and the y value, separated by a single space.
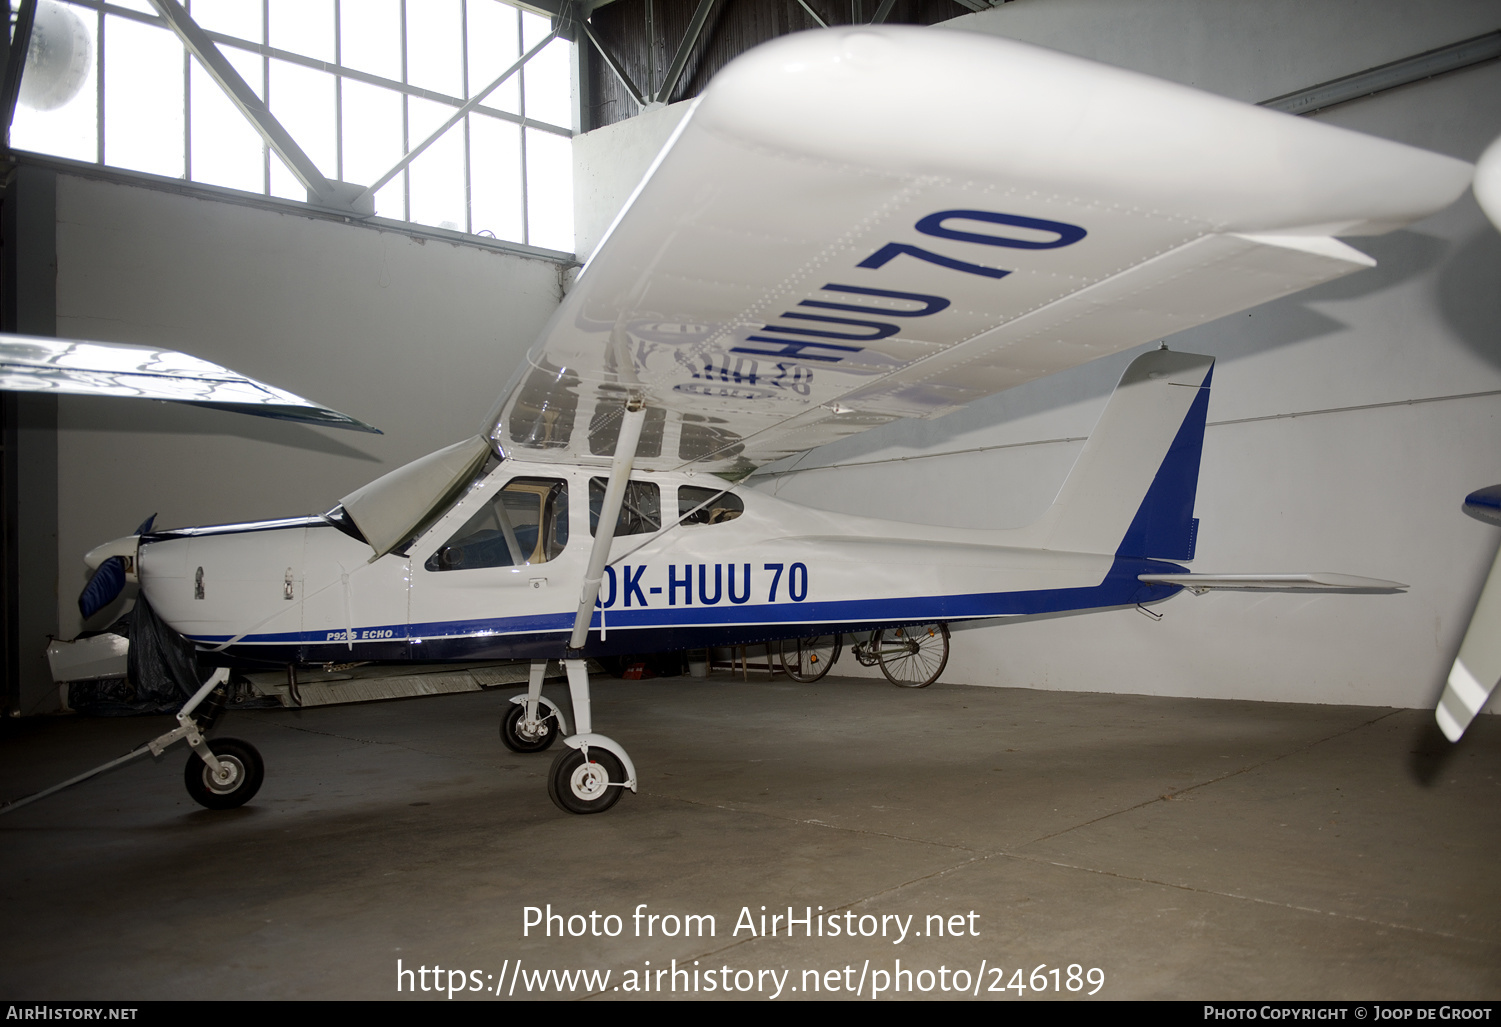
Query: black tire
pixel 574 791
pixel 514 736
pixel 913 655
pixel 242 757
pixel 808 659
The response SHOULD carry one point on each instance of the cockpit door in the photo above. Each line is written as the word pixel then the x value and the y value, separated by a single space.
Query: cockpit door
pixel 498 565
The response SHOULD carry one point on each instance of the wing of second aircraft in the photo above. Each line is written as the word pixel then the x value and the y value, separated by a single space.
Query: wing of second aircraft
pixel 78 368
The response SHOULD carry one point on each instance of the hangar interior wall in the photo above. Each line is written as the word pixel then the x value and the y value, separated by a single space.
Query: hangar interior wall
pixel 417 337
pixel 1347 423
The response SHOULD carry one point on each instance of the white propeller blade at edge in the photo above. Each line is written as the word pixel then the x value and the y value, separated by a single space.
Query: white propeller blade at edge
pixel 1477 668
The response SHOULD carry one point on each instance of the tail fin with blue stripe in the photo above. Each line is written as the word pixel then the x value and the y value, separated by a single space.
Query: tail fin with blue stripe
pixel 1131 491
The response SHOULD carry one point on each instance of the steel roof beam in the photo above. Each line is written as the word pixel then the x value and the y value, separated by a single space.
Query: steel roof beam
pixel 474 101
pixel 690 39
pixel 613 65
pixel 321 190
pixel 813 14
pixel 1388 76
pixel 15 64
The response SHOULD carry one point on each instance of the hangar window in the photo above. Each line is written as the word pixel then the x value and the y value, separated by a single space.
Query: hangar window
pixel 526 522
pixel 707 506
pixel 640 511
pixel 361 89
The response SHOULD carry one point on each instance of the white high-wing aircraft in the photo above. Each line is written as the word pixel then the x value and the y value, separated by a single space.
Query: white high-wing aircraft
pixel 851 226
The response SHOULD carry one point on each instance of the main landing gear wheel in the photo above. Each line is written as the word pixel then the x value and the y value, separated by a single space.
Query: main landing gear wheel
pixel 522 737
pixel 243 772
pixel 808 659
pixel 914 655
pixel 579 785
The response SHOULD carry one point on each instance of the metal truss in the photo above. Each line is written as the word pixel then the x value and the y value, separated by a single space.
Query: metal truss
pixel 322 191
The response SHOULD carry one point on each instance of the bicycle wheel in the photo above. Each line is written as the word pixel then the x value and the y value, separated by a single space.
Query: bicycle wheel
pixel 914 655
pixel 808 659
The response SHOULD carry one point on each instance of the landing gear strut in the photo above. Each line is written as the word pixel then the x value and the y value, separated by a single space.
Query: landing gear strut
pixel 588 778
pixel 532 723
pixel 221 774
pixel 589 775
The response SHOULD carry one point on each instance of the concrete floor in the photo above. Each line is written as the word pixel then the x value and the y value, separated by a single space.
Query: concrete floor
pixel 1185 848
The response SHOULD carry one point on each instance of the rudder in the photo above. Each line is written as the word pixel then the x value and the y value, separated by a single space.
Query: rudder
pixel 1131 491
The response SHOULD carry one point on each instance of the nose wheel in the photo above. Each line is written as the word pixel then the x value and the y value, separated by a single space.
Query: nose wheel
pixel 235 783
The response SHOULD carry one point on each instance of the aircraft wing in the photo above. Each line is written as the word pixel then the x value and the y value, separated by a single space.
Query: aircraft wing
pixel 77 368
pixel 863 224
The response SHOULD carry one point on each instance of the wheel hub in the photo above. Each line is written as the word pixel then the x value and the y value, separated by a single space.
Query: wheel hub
pixel 226 778
pixel 588 781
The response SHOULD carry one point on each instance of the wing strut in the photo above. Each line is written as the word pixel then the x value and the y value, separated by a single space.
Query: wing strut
pixel 609 513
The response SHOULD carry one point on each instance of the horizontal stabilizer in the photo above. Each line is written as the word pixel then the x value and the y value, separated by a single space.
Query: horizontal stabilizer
pixel 1478 666
pixel 1321 581
pixel 75 368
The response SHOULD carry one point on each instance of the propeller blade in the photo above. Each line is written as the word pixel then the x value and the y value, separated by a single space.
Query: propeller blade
pixel 106 583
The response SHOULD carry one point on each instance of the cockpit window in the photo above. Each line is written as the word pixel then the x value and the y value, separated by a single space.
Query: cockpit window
pixel 707 506
pixel 526 522
pixel 640 511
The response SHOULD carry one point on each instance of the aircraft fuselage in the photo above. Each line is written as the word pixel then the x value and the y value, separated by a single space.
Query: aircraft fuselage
pixel 305 589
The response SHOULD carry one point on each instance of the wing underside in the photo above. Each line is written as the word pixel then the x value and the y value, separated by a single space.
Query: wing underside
pixel 860 225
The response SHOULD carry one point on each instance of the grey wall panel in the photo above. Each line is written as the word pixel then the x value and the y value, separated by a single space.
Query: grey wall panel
pixel 1251 52
pixel 418 337
pixel 608 164
pixel 1404 359
pixel 28 304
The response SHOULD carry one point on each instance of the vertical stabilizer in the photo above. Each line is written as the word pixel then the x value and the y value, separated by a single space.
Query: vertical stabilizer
pixel 1131 492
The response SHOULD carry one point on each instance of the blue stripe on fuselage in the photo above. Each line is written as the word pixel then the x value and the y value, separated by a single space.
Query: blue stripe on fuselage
pixel 707 625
